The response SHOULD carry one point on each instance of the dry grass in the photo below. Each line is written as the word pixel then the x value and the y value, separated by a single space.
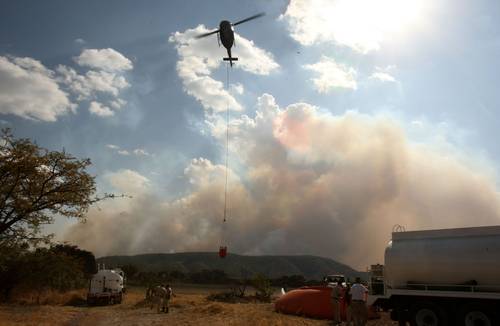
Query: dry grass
pixel 187 308
pixel 49 297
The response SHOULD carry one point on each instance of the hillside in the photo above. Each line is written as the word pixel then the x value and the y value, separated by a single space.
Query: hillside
pixel 311 267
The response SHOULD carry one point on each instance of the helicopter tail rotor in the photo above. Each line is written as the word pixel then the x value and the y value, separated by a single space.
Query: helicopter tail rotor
pixel 230 59
pixel 249 18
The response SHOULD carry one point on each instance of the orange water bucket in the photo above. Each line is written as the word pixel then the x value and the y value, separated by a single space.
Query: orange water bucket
pixel 222 251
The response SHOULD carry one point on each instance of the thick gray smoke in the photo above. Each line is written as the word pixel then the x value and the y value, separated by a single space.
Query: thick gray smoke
pixel 307 183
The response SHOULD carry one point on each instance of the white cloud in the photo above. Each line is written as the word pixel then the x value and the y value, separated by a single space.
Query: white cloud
pixel 29 90
pixel 125 152
pixel 359 24
pixel 128 181
pixel 80 41
pixel 383 74
pixel 104 59
pixel 117 104
pixel 332 75
pixel 198 58
pixel 237 88
pixel 100 110
pixel 202 172
pixel 107 79
pixel 93 82
pixel 252 58
pixel 140 152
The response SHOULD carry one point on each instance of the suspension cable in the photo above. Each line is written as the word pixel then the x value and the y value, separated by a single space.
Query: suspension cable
pixel 227 146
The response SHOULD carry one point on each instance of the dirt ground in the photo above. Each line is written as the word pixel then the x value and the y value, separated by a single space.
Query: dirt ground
pixel 189 307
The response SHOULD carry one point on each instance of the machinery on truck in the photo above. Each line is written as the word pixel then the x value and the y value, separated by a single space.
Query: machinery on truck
pixel 107 286
pixel 440 277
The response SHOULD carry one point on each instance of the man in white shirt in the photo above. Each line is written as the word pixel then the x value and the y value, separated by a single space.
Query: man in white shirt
pixel 358 303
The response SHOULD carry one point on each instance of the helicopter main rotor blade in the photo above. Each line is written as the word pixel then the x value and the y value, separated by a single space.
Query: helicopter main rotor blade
pixel 249 18
pixel 207 34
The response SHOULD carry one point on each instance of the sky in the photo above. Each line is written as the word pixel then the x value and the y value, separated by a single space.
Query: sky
pixel 345 119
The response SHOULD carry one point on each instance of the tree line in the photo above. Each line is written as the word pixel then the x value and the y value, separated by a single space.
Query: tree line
pixel 60 267
pixel 136 276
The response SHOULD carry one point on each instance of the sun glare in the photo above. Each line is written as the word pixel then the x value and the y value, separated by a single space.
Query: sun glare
pixel 364 24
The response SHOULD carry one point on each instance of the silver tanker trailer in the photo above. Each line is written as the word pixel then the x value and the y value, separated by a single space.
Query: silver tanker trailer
pixel 440 277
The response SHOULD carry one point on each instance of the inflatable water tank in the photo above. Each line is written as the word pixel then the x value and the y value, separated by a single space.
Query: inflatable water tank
pixel 464 256
pixel 311 301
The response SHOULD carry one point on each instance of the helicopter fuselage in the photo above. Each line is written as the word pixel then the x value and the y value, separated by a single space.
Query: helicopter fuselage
pixel 226 34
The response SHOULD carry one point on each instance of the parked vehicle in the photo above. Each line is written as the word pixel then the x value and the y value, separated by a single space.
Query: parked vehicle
pixel 440 277
pixel 336 278
pixel 106 287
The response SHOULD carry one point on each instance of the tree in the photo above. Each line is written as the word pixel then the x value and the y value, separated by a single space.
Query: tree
pixel 263 288
pixel 130 271
pixel 37 184
pixel 60 267
pixel 86 258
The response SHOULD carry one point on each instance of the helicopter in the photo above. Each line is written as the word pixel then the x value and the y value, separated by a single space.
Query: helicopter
pixel 225 34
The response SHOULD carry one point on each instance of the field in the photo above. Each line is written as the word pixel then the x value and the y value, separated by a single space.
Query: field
pixel 189 307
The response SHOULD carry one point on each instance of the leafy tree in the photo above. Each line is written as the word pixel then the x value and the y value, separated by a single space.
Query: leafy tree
pixel 37 184
pixel 209 277
pixel 130 271
pixel 263 288
pixel 59 267
pixel 46 268
pixel 177 275
pixel 86 258
pixel 289 281
pixel 10 267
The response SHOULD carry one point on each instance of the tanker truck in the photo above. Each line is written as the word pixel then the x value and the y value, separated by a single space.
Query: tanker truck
pixel 442 277
pixel 106 287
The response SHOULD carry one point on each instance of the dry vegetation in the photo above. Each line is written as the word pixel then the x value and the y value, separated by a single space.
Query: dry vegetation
pixel 189 307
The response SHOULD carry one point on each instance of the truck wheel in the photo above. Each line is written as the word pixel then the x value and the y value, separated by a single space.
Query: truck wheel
pixel 427 314
pixel 476 315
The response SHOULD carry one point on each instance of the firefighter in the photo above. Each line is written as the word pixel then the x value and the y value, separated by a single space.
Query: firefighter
pixel 160 293
pixel 358 303
pixel 168 295
pixel 149 293
pixel 336 296
pixel 348 307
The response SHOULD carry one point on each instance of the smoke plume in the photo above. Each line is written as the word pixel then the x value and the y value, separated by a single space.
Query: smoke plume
pixel 307 182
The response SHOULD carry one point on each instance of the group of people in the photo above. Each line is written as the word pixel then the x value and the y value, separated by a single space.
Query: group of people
pixel 159 296
pixel 355 299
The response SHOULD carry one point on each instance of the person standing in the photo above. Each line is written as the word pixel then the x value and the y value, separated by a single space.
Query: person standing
pixel 160 293
pixel 336 296
pixel 149 293
pixel 358 303
pixel 348 301
pixel 168 296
